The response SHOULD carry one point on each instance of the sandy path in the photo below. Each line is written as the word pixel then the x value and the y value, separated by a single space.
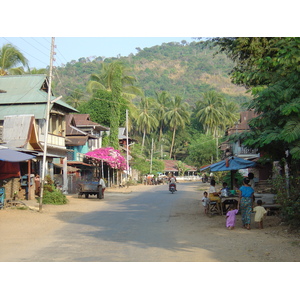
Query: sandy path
pixel 22 231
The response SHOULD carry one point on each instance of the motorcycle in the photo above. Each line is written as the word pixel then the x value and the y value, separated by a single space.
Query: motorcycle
pixel 172 188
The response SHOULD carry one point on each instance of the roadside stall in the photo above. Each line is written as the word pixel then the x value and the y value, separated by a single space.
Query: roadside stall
pixel 10 173
pixel 231 164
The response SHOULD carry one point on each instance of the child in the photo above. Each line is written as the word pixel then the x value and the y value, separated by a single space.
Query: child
pixel 205 201
pixel 259 214
pixel 230 217
pixel 225 190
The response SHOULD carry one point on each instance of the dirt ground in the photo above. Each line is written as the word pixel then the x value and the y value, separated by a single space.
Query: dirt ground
pixel 275 243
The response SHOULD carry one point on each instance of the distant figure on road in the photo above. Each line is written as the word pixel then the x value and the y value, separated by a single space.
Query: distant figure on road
pixel 172 179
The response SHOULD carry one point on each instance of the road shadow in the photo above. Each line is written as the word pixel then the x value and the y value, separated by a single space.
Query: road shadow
pixel 155 218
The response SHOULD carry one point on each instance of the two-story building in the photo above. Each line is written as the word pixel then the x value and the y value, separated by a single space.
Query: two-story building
pixel 23 110
pixel 237 148
pixel 82 136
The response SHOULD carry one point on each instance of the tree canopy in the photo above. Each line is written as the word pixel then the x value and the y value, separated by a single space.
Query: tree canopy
pixel 10 58
pixel 269 67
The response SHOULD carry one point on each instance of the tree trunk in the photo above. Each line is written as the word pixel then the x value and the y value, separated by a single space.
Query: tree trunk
pixel 173 140
pixel 143 142
pixel 160 133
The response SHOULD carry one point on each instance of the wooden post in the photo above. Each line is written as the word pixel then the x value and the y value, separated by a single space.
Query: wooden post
pixel 28 181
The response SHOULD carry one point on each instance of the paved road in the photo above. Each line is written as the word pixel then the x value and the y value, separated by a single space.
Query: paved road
pixel 151 226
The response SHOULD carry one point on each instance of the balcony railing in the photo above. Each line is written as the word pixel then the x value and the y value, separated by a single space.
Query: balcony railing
pixel 245 150
pixel 56 140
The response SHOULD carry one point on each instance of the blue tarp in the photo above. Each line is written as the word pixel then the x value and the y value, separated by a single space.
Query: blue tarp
pixel 234 163
pixel 14 156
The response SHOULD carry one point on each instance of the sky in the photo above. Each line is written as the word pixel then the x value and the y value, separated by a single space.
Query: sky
pixel 119 27
pixel 37 49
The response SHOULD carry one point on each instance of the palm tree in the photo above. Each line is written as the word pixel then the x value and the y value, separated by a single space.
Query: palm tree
pixel 74 98
pixel 181 167
pixel 216 114
pixel 113 78
pixel 210 112
pixel 232 114
pixel 105 78
pixel 178 116
pixel 146 121
pixel 163 102
pixel 38 71
pixel 10 57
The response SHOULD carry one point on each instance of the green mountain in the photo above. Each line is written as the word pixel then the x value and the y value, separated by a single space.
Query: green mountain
pixel 182 69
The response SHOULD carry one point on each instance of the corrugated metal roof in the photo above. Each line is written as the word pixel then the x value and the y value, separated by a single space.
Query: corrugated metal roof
pixel 16 130
pixel 38 110
pixel 22 90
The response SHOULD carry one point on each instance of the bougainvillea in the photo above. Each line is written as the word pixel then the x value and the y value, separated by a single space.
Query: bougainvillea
pixel 109 155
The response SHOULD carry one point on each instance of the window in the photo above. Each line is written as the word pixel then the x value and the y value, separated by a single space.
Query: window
pixel 56 124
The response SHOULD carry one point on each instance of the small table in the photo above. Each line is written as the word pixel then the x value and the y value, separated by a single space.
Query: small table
pixel 227 201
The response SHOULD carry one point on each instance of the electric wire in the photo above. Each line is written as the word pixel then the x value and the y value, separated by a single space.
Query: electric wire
pixel 41 44
pixel 23 51
pixel 34 47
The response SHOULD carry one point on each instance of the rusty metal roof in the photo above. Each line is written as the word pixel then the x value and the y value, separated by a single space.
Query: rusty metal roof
pixel 83 120
pixel 76 140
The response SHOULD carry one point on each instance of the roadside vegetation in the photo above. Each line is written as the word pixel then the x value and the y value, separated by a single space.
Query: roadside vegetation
pixel 52 195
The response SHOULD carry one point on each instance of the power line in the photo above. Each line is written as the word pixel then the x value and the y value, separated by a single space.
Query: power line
pixel 25 51
pixel 34 47
pixel 40 44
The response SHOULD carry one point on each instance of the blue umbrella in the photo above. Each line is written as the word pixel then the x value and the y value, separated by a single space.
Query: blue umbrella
pixel 230 164
pixel 14 156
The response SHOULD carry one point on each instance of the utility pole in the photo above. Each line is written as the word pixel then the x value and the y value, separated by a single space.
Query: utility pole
pixel 46 128
pixel 127 148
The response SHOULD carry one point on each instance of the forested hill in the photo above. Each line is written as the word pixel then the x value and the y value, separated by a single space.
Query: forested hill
pixel 182 69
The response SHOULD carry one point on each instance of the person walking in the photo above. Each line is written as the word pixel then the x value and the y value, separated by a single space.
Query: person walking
pixel 231 217
pixel 260 212
pixel 102 182
pixel 246 202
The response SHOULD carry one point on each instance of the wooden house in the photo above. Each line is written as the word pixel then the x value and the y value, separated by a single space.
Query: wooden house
pixel 23 109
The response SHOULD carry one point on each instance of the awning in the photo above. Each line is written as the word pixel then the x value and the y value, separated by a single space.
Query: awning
pixel 69 168
pixel 230 164
pixel 14 156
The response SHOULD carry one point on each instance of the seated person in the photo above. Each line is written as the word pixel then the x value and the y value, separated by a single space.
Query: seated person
pixel 213 194
pixel 225 192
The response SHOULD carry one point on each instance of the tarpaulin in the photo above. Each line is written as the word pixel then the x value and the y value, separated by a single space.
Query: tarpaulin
pixel 9 170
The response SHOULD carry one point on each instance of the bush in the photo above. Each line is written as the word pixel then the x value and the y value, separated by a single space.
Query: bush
pixel 52 195
pixel 289 199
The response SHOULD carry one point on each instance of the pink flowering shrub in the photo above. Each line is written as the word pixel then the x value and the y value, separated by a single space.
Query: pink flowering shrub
pixel 111 156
